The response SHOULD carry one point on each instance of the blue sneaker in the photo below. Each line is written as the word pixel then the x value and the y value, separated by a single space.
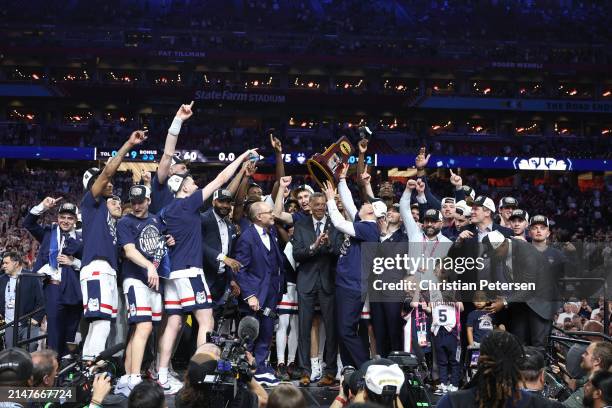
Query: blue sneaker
pixel 265 376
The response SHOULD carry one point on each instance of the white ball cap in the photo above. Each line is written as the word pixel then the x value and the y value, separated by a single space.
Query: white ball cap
pixel 377 377
pixel 380 209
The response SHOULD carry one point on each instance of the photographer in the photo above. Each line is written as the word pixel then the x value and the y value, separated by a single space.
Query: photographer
pixel 15 371
pixel 147 394
pixel 45 368
pixel 197 393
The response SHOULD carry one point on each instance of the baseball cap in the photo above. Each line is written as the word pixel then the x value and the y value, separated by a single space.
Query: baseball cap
pixel 395 207
pixel 380 208
pixel 462 208
pixel 469 192
pixel 89 177
pixel 113 197
pixel 518 213
pixel 176 181
pixel 432 214
pixel 508 202
pixel 486 202
pixel 356 380
pixel 539 219
pixel 533 360
pixel 200 366
pixel 68 208
pixel 378 377
pixel 139 193
pixel 253 184
pixel 15 366
pixel 448 200
pixel 304 187
pixel 573 360
pixel 222 194
pixel 494 239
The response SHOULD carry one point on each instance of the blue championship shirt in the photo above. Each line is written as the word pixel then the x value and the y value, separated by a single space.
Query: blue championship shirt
pixel 348 271
pixel 99 232
pixel 146 235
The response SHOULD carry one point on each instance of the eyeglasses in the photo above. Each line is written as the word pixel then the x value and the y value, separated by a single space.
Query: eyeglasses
pixel 265 212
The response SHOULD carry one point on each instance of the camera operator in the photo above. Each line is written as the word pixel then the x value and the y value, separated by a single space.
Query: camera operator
pixel 377 381
pixel 196 393
pixel 15 371
pixel 286 396
pixel 147 394
pixel 532 373
pixel 598 356
pixel 45 368
pixel 100 389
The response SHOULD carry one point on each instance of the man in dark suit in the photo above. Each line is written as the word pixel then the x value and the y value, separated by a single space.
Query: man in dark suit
pixel 316 246
pixel 30 298
pixel 59 258
pixel 261 278
pixel 218 240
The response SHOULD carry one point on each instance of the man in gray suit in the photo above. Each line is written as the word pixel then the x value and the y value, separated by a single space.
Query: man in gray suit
pixel 316 245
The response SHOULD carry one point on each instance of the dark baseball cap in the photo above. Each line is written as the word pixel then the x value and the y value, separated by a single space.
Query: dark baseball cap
pixel 200 366
pixel 68 208
pixel 518 213
pixel 539 219
pixel 469 192
pixel 139 193
pixel 508 202
pixel 176 160
pixel 222 195
pixel 432 214
pixel 15 366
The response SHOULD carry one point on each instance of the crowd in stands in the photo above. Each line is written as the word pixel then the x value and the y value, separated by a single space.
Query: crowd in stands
pixel 345 27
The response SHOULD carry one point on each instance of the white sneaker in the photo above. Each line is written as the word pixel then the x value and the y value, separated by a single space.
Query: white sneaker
pixel 172 386
pixel 441 389
pixel 452 388
pixel 121 384
pixel 315 370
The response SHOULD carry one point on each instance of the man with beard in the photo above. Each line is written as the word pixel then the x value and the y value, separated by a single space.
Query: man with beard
pixel 519 219
pixel 598 390
pixel 169 163
pixel 506 206
pixel 219 236
pixel 597 357
pixel 101 210
pixel 58 258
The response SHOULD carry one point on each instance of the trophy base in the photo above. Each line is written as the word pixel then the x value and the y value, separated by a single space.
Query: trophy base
pixel 319 172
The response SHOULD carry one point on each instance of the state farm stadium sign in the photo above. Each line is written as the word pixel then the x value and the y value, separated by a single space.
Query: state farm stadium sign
pixel 243 97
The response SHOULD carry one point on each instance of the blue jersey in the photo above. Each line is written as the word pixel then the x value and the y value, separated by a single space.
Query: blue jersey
pixel 161 195
pixel 182 218
pixel 299 215
pixel 99 231
pixel 348 271
pixel 146 235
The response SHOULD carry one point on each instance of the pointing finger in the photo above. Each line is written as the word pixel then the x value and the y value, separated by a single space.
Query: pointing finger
pixel 191 105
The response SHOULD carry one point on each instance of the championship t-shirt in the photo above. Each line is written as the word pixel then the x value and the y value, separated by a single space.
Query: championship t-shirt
pixel 99 231
pixel 481 324
pixel 146 235
pixel 161 195
pixel 348 270
pixel 182 219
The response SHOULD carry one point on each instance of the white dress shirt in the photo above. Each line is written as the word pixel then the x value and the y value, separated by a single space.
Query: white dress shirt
pixel 263 235
pixel 224 234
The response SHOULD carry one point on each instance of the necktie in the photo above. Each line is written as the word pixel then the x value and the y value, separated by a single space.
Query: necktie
pixel 318 231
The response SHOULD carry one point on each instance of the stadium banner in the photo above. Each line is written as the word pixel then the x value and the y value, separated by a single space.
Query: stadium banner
pixel 242 97
pixel 47 152
pixel 531 105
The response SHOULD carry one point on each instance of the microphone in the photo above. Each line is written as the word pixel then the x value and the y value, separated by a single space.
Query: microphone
pixel 109 352
pixel 248 329
pixel 268 312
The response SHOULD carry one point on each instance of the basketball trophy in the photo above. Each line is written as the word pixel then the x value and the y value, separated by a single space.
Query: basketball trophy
pixel 327 165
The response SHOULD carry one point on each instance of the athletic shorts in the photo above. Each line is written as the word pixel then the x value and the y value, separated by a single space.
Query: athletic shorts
pixel 289 302
pixel 99 289
pixel 365 312
pixel 143 303
pixel 184 295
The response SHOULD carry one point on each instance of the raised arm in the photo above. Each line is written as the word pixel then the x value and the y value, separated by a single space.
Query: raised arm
pixel 31 220
pixel 236 180
pixel 249 169
pixel 345 194
pixel 361 169
pixel 411 227
pixel 280 164
pixel 278 212
pixel 225 175
pixel 137 137
pixel 336 218
pixel 182 115
pixel 366 184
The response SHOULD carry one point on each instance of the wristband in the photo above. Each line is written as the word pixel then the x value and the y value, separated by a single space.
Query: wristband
pixel 341 400
pixel 175 127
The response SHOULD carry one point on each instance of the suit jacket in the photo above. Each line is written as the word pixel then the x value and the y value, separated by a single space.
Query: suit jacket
pixel 211 243
pixel 319 264
pixel 256 277
pixel 30 293
pixel 70 288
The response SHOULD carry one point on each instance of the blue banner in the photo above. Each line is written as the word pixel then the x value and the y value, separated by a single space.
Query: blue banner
pixel 47 152
pixel 530 105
